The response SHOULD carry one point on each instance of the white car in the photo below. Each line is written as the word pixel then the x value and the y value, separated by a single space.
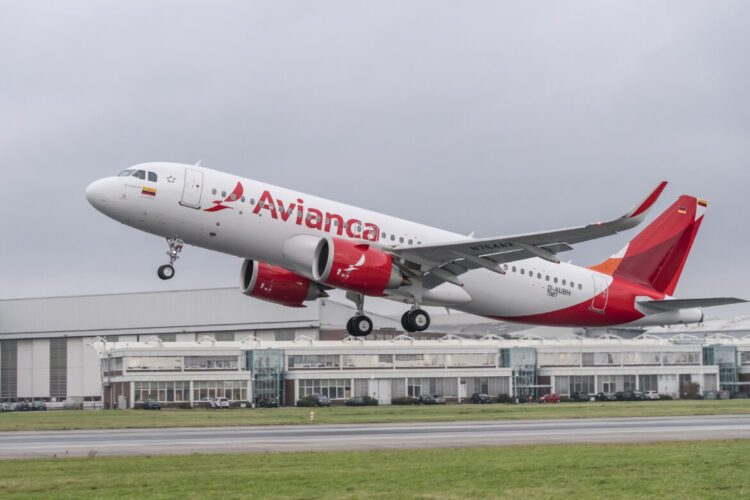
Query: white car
pixel 220 403
pixel 651 395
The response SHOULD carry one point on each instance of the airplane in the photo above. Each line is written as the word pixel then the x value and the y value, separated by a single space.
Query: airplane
pixel 297 246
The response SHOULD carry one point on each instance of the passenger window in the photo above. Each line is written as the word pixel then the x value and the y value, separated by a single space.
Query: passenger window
pixel 522 271
pixel 546 278
pixel 382 236
pixel 579 286
pixel 514 269
pixel 572 285
pixel 392 237
pixel 213 191
pixel 539 275
pixel 401 239
pixel 563 282
pixel 410 242
pixel 152 176
pixel 555 280
pixel 242 200
pixel 140 174
pixel 252 201
pixel 223 194
pixel 505 266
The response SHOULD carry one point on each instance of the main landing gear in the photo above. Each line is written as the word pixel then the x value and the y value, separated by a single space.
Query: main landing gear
pixel 358 325
pixel 166 271
pixel 415 320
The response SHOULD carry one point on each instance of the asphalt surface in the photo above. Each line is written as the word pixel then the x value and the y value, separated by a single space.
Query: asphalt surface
pixel 315 437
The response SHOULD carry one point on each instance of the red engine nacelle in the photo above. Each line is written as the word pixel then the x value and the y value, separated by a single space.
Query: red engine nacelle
pixel 355 266
pixel 276 284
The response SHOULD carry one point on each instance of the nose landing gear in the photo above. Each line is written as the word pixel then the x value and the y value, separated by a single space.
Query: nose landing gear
pixel 166 271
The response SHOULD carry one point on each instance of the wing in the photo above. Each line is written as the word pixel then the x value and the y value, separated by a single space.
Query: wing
pixel 675 304
pixel 446 261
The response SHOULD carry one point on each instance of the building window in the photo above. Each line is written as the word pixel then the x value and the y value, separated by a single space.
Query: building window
pixel 224 336
pixel 609 383
pixel 333 388
pixel 154 363
pixel 628 382
pixel 313 361
pixel 206 390
pixel 649 383
pixel 210 362
pixel 164 391
pixel 414 387
pixel 285 334
pixel 583 384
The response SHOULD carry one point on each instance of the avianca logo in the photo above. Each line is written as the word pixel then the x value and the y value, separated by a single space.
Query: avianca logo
pixel 314 218
pixel 345 273
pixel 233 196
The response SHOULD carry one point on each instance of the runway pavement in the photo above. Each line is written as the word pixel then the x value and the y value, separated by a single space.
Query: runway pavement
pixel 314 437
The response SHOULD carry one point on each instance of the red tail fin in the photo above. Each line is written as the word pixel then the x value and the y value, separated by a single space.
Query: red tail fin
pixel 657 255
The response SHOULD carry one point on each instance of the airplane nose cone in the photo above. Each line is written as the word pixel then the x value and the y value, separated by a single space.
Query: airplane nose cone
pixel 96 193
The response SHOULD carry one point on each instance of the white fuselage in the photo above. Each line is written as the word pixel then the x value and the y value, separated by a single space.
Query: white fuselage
pixel 195 204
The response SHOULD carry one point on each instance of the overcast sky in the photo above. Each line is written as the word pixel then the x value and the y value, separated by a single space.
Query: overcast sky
pixel 491 117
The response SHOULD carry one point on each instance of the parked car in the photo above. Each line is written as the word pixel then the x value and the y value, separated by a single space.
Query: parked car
pixel 580 397
pixel 426 399
pixel 480 398
pixel 652 395
pixel 620 396
pixel 6 407
pixel 635 396
pixel 219 403
pixel 550 398
pixel 356 401
pixel 267 402
pixel 23 406
pixel 606 396
pixel 38 406
pixel 321 400
pixel 439 399
pixel 150 404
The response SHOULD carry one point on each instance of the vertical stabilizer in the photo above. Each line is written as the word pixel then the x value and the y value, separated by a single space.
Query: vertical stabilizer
pixel 657 255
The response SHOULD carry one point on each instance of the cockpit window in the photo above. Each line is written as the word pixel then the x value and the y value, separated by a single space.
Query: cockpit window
pixel 126 173
pixel 152 176
pixel 140 174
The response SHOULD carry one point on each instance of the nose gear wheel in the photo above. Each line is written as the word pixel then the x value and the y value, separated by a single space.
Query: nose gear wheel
pixel 166 271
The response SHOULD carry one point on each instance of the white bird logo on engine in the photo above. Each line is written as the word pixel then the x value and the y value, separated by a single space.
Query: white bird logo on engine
pixel 344 273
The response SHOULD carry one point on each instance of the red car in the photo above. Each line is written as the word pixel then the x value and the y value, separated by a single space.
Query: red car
pixel 550 398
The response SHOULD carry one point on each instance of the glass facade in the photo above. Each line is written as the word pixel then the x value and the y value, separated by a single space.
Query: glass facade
pixel 725 356
pixel 266 367
pixel 522 360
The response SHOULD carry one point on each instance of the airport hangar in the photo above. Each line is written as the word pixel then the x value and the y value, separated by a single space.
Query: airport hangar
pixel 186 347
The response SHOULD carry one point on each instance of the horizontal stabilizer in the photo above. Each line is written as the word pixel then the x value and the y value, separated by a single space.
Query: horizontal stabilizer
pixel 675 304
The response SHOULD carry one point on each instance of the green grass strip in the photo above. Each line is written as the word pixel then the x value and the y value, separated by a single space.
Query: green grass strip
pixel 707 469
pixel 113 419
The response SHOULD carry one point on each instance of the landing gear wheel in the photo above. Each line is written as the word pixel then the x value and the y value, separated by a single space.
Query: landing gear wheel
pixel 165 272
pixel 405 322
pixel 415 320
pixel 359 326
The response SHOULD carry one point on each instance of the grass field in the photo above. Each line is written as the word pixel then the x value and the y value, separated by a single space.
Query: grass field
pixel 113 419
pixel 709 469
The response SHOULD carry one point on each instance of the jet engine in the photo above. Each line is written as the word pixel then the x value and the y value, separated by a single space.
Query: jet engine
pixel 355 266
pixel 276 284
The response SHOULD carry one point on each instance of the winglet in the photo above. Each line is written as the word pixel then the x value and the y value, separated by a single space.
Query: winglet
pixel 647 202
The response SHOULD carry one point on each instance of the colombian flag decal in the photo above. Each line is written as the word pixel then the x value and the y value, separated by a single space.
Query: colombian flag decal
pixel 681 210
pixel 148 191
pixel 703 203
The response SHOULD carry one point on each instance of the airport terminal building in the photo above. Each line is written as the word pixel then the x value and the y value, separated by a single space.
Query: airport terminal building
pixel 185 347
